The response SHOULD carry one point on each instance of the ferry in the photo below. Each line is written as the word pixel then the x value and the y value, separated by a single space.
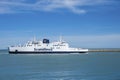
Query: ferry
pixel 45 47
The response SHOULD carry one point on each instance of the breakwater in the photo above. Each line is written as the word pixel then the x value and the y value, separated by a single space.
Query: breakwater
pixel 104 50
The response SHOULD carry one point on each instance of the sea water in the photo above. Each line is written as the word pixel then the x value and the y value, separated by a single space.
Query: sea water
pixel 91 66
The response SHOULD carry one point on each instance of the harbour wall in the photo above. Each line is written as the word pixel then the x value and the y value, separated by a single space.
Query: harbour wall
pixel 104 50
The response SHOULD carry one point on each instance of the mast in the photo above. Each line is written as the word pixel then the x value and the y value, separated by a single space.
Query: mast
pixel 34 38
pixel 60 38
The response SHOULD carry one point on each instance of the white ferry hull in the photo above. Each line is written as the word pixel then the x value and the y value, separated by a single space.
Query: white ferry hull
pixel 19 51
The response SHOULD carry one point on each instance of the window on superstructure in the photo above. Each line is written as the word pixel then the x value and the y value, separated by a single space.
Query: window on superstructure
pixel 57 47
pixel 62 45
pixel 35 42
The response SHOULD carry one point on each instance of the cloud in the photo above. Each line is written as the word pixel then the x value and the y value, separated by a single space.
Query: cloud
pixel 75 6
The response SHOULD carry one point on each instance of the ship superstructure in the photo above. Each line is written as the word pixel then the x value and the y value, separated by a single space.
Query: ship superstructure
pixel 45 46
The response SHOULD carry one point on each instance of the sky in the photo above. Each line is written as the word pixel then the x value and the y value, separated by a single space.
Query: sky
pixel 82 23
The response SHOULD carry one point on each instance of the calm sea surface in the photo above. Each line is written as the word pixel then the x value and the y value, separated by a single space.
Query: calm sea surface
pixel 91 66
